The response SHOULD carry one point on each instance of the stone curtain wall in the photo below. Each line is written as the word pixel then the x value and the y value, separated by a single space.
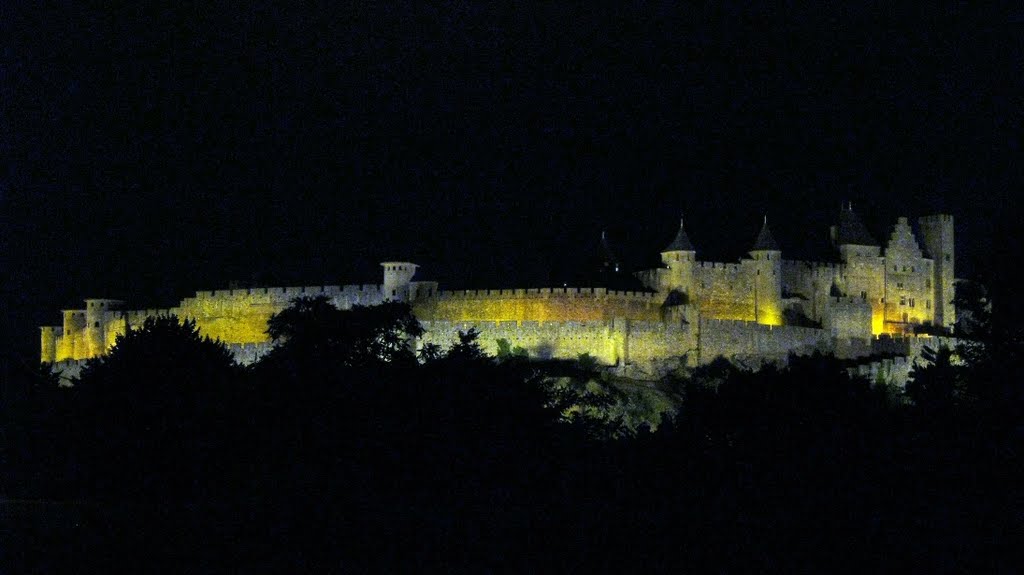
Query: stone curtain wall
pixel 725 291
pixel 613 342
pixel 746 341
pixel 236 316
pixel 543 305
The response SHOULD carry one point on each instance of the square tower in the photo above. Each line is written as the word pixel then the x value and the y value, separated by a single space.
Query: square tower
pixel 937 237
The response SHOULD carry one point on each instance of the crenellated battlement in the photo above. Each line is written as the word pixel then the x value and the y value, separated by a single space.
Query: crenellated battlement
pixel 713 324
pixel 290 292
pixel 721 267
pixel 701 309
pixel 570 292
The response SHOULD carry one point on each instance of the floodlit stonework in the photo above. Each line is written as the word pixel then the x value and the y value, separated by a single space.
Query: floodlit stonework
pixel 757 310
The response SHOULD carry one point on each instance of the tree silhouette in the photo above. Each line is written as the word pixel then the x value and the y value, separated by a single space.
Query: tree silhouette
pixel 149 412
pixel 163 352
pixel 313 327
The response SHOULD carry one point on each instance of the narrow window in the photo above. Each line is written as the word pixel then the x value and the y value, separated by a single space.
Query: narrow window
pixel 903 300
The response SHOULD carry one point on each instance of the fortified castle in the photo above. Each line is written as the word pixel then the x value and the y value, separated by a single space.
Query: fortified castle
pixel 760 309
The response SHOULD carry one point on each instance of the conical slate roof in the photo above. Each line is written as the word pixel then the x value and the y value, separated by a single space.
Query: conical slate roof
pixel 609 259
pixel 765 241
pixel 852 230
pixel 682 241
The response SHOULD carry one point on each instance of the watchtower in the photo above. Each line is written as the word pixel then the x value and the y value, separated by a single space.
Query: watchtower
pixel 397 277
pixel 767 277
pixel 937 236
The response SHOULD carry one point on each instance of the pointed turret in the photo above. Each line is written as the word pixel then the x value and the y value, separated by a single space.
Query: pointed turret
pixel 765 242
pixel 609 261
pixel 766 270
pixel 851 230
pixel 601 266
pixel 852 238
pixel 681 243
pixel 679 259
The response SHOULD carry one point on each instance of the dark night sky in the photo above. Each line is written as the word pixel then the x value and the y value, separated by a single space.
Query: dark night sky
pixel 149 153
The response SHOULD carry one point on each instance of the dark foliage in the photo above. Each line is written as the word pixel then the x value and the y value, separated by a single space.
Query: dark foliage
pixel 343 451
pixel 312 330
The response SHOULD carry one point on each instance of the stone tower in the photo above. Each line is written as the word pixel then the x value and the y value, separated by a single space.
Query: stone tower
pixel 937 236
pixel 767 278
pixel 48 343
pixel 98 315
pixel 397 277
pixel 72 345
pixel 679 257
pixel 852 238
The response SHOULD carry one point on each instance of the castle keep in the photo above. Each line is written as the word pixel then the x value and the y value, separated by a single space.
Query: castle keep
pixel 762 308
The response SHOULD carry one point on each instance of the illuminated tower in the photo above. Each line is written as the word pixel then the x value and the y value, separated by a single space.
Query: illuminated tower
pixel 72 345
pixel 397 276
pixel 767 278
pixel 864 272
pixel 97 318
pixel 937 236
pixel 679 257
pixel 48 343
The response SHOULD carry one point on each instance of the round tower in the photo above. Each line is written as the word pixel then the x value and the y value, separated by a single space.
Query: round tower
pixel 48 344
pixel 397 277
pixel 98 314
pixel 679 258
pixel 767 278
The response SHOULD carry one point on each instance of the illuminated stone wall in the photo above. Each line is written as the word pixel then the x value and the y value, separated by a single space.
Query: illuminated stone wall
pixel 848 317
pixel 747 342
pixel 544 305
pixel 237 316
pixel 614 342
pixel 725 291
pixel 733 309
pixel 901 287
